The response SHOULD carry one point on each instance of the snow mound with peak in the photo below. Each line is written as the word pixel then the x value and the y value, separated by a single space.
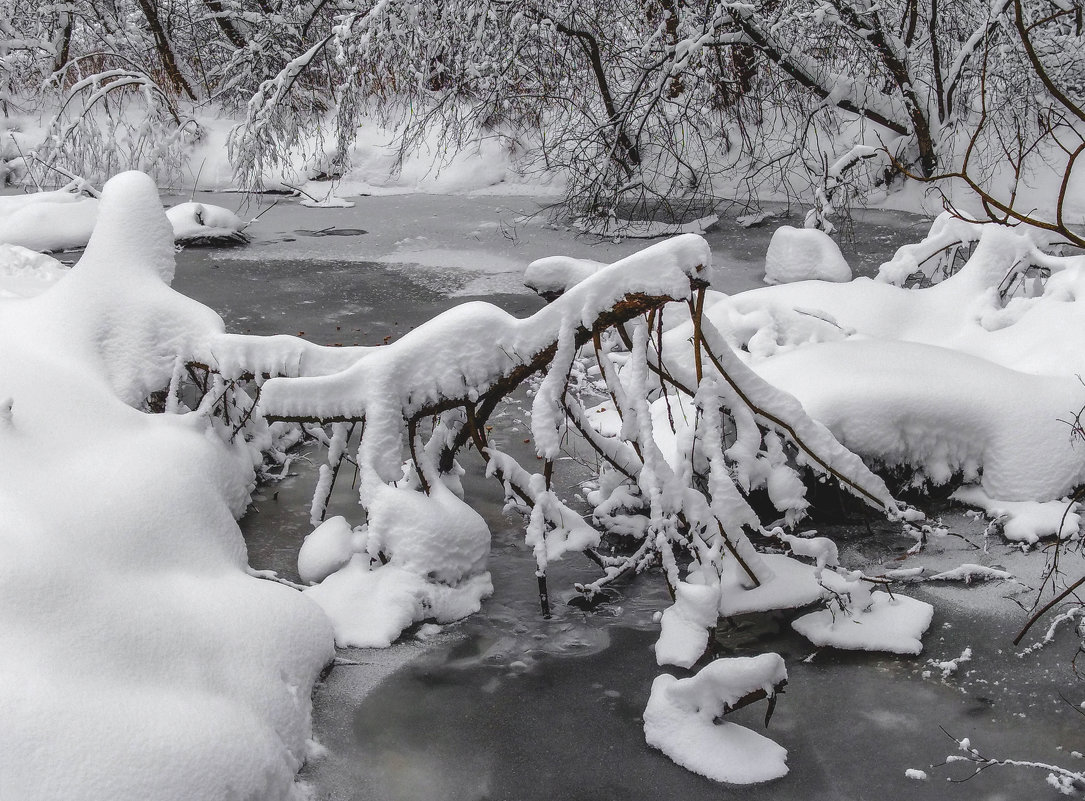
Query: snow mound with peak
pixel 138 659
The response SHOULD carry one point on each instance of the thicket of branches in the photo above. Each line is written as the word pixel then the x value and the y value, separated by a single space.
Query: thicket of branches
pixel 643 104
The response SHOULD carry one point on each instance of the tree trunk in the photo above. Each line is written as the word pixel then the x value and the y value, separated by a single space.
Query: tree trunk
pixel 164 50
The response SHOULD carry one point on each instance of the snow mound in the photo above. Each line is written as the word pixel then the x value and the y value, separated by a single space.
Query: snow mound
pixel 48 221
pixel 370 606
pixel 203 221
pixel 941 412
pixel 328 548
pixel 804 254
pixel 684 635
pixel 138 659
pixel 680 720
pixel 420 557
pixel 551 276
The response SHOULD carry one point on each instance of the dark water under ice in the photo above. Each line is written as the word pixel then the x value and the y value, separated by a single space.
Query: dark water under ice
pixel 509 705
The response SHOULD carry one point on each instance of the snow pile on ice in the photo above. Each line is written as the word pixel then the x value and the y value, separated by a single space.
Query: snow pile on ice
pixel 803 254
pixel 327 549
pixel 867 621
pixel 137 658
pixel 683 637
pixel 419 557
pixel 549 277
pixel 1026 521
pixel 680 720
pixel 193 221
pixel 64 219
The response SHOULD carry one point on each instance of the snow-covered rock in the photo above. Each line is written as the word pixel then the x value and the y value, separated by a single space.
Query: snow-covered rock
pixel 804 254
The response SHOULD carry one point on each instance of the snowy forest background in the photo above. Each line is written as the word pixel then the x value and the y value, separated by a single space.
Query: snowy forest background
pixel 635 105
pixel 709 423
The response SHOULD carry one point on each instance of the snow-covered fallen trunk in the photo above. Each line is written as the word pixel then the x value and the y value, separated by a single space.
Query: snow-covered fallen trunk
pixel 138 659
pixel 422 551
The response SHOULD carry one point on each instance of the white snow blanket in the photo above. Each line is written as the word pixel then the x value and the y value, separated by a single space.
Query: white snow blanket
pixel 138 659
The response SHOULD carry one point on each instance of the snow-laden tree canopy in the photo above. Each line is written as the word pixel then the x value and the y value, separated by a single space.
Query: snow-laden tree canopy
pixel 641 108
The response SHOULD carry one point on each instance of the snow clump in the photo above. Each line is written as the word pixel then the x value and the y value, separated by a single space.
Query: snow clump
pixel 680 720
pixel 804 254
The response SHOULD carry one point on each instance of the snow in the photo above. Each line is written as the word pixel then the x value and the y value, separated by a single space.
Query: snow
pixel 56 220
pixel 941 412
pixel 371 606
pixel 138 659
pixel 327 549
pixel 973 378
pixel 679 720
pixel 550 276
pixel 683 637
pixel 950 666
pixel 64 220
pixel 25 273
pixel 893 623
pixel 1026 521
pixel 203 220
pixel 802 254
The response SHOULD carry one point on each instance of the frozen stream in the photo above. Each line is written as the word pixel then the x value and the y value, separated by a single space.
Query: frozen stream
pixel 507 705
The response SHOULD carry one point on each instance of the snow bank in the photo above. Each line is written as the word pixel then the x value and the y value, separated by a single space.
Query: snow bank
pixel 680 720
pixel 1026 521
pixel 48 221
pixel 940 412
pixel 64 220
pixel 803 254
pixel 970 378
pixel 137 658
